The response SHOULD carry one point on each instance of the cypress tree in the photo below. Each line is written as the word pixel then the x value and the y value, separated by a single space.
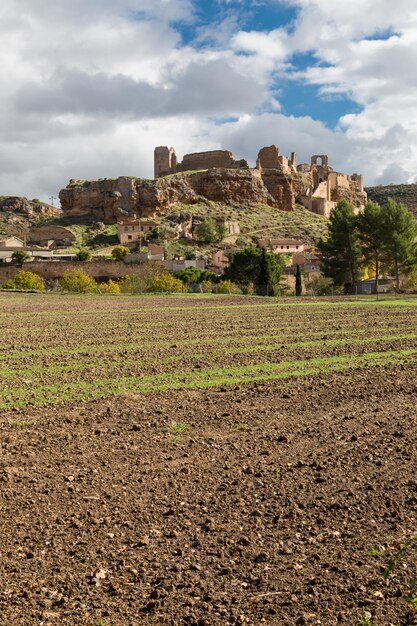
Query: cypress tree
pixel 298 283
pixel 264 278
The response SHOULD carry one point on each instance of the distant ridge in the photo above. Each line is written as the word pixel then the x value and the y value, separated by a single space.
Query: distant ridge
pixel 407 194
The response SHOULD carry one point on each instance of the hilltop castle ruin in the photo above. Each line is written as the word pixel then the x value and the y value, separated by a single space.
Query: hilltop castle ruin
pixel 316 185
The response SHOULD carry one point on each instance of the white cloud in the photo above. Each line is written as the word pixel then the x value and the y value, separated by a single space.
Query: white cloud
pixel 89 87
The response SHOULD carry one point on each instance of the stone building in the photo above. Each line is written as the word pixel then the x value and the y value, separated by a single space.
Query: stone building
pixel 131 232
pixel 327 187
pixel 281 246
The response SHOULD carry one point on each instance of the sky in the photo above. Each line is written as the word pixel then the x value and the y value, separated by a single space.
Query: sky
pixel 90 87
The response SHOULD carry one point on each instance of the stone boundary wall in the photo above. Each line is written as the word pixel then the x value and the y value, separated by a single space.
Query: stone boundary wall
pixel 50 270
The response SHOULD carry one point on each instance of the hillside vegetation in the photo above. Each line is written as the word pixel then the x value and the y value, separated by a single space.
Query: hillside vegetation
pixel 407 194
pixel 261 221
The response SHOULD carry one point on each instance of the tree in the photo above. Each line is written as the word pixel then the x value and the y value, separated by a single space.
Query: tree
pixel 399 238
pixel 341 251
pixel 259 267
pixel 195 275
pixel 269 274
pixel 20 256
pixel 25 281
pixel 190 275
pixel 119 253
pixel 83 254
pixel 371 234
pixel 77 281
pixel 210 232
pixel 298 283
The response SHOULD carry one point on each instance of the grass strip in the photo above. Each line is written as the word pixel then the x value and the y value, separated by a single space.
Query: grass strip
pixel 118 363
pixel 201 379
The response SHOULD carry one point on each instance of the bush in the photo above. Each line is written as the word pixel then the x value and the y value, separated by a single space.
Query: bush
pixel 77 281
pixel 20 256
pixel 25 280
pixel 83 254
pixel 119 253
pixel 206 286
pixel 210 232
pixel 133 284
pixel 321 286
pixel 250 289
pixel 110 287
pixel 226 286
pixel 166 283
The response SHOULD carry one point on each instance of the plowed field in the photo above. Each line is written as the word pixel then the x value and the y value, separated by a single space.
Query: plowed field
pixel 207 461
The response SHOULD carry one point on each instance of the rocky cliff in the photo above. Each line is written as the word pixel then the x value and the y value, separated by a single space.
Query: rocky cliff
pixel 31 209
pixel 17 214
pixel 110 199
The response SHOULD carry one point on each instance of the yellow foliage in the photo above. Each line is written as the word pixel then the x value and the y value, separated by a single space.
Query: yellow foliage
pixel 110 287
pixel 166 283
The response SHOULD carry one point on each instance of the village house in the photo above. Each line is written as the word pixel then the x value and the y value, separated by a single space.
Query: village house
pixel 14 243
pixel 11 244
pixel 131 232
pixel 155 252
pixel 281 246
pixel 220 261
pixel 309 261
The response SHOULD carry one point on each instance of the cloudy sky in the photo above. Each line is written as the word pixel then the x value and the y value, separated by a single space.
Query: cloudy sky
pixel 90 87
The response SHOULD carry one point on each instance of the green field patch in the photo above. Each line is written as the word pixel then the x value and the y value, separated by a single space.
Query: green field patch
pixel 200 379
pixel 19 372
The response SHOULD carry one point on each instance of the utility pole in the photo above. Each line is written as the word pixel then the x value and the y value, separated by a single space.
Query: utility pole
pixel 52 198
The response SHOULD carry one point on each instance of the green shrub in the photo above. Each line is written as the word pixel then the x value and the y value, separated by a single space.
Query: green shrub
pixel 210 232
pixel 83 254
pixel 321 286
pixel 77 281
pixel 206 286
pixel 25 280
pixel 20 256
pixel 119 253
pixel 226 286
pixel 133 284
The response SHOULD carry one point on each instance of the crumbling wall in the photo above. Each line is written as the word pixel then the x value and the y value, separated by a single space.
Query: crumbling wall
pixel 208 160
pixel 268 158
pixel 165 161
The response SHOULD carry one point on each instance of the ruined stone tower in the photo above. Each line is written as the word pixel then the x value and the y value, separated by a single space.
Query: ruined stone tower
pixel 165 161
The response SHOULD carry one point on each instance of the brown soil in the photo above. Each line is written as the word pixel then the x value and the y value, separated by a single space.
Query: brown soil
pixel 281 503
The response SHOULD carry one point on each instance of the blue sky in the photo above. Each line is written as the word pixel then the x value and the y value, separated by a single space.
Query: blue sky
pixel 92 98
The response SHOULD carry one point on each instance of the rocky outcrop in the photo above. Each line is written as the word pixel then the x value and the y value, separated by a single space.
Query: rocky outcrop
pixel 108 200
pixel 30 209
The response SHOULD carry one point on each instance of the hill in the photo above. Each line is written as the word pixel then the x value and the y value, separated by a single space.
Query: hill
pixel 407 194
pixel 18 214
